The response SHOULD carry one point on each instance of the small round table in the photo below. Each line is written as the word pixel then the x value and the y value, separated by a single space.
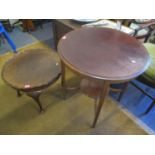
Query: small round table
pixel 102 54
pixel 31 71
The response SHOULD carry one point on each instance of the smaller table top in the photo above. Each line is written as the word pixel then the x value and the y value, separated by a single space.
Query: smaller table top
pixel 31 70
pixel 103 53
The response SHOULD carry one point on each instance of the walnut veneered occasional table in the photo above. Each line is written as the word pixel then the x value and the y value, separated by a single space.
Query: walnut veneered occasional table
pixel 104 55
pixel 31 71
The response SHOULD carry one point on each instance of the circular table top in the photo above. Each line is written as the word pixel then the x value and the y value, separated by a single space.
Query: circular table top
pixel 31 70
pixel 103 53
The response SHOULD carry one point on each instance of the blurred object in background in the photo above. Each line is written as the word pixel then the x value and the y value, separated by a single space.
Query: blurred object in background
pixel 27 25
pixel 6 24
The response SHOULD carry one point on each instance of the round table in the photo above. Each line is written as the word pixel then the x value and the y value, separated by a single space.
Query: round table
pixel 31 71
pixel 102 54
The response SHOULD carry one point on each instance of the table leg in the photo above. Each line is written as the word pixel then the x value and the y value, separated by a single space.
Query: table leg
pixel 101 100
pixel 18 93
pixel 63 75
pixel 63 79
pixel 95 105
pixel 35 96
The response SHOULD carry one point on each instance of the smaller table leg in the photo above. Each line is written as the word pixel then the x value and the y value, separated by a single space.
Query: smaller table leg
pixel 63 75
pixel 63 79
pixel 35 96
pixel 19 93
pixel 101 100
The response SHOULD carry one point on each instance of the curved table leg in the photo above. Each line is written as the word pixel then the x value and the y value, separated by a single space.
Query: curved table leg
pixel 35 96
pixel 18 93
pixel 100 101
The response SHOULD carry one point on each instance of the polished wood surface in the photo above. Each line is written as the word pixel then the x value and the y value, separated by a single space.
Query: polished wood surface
pixel 103 53
pixel 30 70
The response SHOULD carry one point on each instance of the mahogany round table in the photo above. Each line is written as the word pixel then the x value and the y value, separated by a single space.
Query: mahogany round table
pixel 102 54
